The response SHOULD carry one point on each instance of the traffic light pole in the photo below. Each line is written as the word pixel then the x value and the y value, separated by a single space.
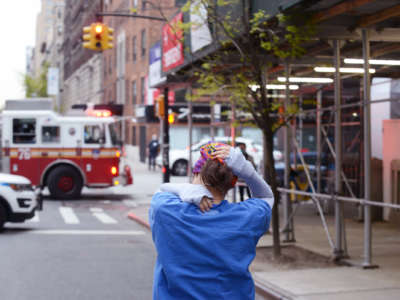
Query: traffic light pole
pixel 165 155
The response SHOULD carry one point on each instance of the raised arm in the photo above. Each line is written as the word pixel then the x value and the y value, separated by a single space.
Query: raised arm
pixel 244 169
pixel 187 192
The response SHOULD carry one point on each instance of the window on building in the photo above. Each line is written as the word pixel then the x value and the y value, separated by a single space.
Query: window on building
pixel 115 56
pixel 134 54
pixel 144 4
pixel 134 92
pixel 24 131
pixel 143 42
pixel 94 134
pixel 127 51
pixel 142 90
pixel 50 134
pixel 109 65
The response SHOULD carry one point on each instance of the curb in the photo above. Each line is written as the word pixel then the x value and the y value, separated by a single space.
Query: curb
pixel 261 289
pixel 139 220
pixel 269 293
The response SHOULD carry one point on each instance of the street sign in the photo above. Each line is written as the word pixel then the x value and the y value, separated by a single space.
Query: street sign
pixel 52 81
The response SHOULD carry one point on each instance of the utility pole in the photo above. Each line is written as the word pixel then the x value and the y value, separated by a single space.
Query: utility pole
pixel 165 155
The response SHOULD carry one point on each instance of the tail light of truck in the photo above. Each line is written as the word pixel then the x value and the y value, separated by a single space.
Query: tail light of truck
pixel 118 154
pixel 114 170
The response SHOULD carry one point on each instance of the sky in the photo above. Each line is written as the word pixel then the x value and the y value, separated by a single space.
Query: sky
pixel 18 23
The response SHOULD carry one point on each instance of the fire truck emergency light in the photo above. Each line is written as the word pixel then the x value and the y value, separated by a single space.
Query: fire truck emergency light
pixel 100 113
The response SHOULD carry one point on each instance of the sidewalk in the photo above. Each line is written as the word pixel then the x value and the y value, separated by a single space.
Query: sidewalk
pixel 337 282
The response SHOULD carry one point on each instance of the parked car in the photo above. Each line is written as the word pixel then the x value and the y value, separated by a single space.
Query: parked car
pixel 18 200
pixel 310 158
pixel 179 158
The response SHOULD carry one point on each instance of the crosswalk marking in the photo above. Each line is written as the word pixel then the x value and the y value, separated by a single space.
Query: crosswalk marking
pixel 68 215
pixel 102 216
pixel 106 219
pixel 130 203
pixel 88 232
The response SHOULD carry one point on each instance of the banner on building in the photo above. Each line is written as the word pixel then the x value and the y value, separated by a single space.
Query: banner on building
pixel 172 44
pixel 52 81
pixel 155 66
pixel 200 35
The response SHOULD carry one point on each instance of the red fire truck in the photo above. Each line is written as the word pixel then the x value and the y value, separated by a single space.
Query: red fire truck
pixel 63 153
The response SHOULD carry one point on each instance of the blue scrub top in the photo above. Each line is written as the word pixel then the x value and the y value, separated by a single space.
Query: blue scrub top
pixel 205 255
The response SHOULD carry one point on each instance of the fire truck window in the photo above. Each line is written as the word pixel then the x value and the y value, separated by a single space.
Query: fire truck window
pixel 94 134
pixel 24 131
pixel 50 134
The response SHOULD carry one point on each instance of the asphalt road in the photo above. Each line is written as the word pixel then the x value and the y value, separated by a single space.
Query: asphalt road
pixel 86 249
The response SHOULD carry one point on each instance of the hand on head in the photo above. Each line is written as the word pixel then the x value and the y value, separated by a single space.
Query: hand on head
pixel 222 152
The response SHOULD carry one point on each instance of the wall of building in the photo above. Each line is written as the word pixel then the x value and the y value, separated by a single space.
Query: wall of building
pixel 125 68
pixel 82 67
pixel 85 84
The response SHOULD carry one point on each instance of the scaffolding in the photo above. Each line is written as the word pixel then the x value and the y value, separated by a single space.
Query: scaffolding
pixel 339 245
pixel 358 23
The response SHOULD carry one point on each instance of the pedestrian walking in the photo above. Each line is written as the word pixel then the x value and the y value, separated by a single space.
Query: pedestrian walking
pixel 241 183
pixel 205 244
pixel 154 149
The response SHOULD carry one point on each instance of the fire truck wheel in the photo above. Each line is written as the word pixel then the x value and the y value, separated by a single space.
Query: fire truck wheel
pixel 2 216
pixel 65 183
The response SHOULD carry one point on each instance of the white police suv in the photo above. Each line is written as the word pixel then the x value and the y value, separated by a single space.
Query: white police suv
pixel 18 200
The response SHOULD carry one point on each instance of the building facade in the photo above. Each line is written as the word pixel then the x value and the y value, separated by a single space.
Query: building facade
pixel 126 66
pixel 82 67
pixel 49 32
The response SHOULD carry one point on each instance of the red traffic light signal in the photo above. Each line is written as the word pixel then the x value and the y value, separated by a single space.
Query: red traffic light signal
pixel 98 36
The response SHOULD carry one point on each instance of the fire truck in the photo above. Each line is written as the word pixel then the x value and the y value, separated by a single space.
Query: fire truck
pixel 62 153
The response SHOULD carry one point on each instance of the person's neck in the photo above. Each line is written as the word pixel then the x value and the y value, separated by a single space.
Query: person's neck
pixel 217 197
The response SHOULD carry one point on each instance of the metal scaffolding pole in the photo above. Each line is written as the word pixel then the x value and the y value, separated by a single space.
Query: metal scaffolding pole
pixel 338 149
pixel 318 133
pixel 367 151
pixel 287 211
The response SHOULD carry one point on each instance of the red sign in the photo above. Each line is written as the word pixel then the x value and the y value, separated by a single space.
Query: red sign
pixel 172 47
pixel 171 95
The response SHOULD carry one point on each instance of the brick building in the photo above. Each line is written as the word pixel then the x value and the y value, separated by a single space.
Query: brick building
pixel 126 66
pixel 82 67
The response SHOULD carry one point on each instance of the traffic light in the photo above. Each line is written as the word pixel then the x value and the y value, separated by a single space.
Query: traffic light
pixel 87 37
pixel 171 118
pixel 107 38
pixel 160 112
pixel 98 36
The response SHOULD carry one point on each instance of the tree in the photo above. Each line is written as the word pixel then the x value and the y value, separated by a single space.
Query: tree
pixel 248 45
pixel 36 86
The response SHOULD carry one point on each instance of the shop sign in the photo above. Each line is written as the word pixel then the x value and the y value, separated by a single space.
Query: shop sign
pixel 172 45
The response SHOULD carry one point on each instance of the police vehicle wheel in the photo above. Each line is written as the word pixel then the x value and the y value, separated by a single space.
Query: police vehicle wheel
pixel 180 168
pixel 3 216
pixel 65 183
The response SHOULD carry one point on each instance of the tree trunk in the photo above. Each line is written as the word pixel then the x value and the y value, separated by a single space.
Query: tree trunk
pixel 270 177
